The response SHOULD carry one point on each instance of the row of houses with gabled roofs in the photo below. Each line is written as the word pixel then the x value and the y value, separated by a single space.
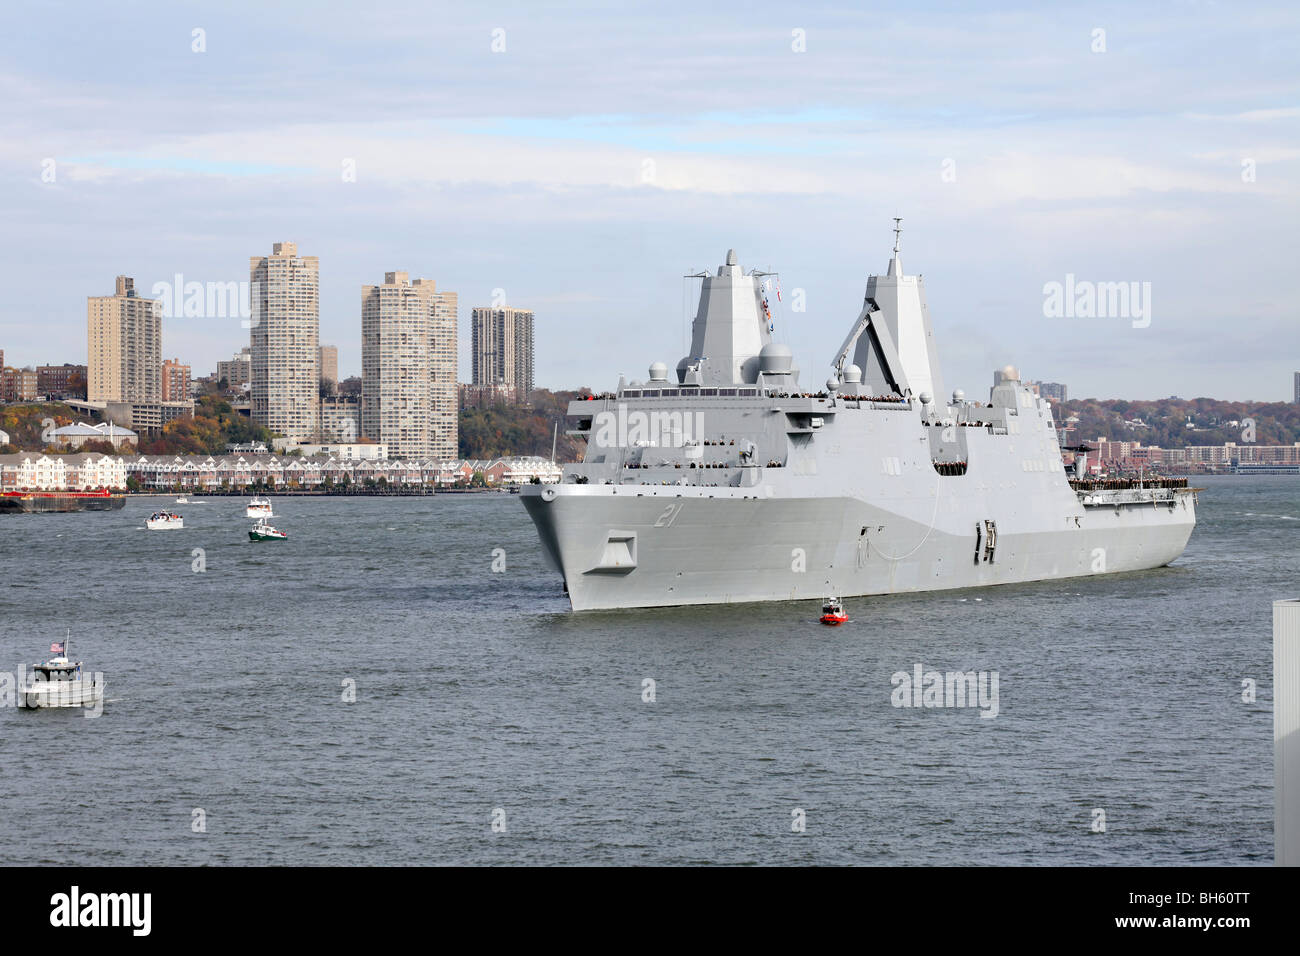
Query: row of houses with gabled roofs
pixel 36 471
pixel 293 472
pixel 510 471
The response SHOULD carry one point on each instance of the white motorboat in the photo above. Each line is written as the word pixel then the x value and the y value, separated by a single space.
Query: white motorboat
pixel 259 508
pixel 182 501
pixel 59 682
pixel 164 521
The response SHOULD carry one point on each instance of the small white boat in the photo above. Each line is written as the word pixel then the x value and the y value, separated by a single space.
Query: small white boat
pixel 163 521
pixel 59 683
pixel 182 501
pixel 259 508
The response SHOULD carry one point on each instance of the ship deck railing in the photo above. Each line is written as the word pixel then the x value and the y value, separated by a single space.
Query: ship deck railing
pixel 1125 484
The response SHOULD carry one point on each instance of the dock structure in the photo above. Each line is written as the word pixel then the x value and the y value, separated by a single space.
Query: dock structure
pixel 1286 732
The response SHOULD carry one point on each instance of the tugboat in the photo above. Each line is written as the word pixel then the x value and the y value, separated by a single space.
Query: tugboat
pixel 264 532
pixel 259 508
pixel 59 683
pixel 164 520
pixel 833 612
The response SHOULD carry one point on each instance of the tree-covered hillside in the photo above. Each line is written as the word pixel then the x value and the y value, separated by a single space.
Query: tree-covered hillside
pixel 1166 422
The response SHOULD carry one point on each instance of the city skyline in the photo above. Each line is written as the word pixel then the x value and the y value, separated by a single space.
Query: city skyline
pixel 587 192
pixel 467 357
pixel 327 358
pixel 487 360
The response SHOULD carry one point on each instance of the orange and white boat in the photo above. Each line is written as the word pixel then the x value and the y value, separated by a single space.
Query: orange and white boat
pixel 833 612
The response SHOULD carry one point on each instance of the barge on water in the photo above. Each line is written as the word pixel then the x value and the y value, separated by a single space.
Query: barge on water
pixel 12 502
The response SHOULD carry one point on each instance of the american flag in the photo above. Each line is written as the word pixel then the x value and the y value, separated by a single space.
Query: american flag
pixel 56 647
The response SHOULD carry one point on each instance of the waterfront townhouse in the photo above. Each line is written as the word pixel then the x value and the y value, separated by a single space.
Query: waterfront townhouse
pixel 90 471
pixel 32 471
pixel 523 470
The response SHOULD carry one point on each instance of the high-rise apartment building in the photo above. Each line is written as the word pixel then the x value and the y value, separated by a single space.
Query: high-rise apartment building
pixel 444 366
pixel 408 367
pixel 329 366
pixel 124 346
pixel 1295 398
pixel 175 381
pixel 502 345
pixel 284 341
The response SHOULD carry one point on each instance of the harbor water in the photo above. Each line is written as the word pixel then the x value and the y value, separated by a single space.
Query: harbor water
pixel 401 682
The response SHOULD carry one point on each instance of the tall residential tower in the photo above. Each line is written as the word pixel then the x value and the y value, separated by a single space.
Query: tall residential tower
pixel 124 345
pixel 408 367
pixel 503 349
pixel 284 341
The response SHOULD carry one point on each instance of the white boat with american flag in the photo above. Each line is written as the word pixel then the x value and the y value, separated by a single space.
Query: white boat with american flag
pixel 59 682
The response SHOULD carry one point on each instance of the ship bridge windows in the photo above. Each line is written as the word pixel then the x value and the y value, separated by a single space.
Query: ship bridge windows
pixel 670 392
pixel 631 393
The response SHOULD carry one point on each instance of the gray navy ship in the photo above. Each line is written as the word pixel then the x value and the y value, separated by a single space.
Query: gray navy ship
pixel 731 482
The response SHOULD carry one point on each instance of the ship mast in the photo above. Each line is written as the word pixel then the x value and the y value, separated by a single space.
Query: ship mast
pixel 895 264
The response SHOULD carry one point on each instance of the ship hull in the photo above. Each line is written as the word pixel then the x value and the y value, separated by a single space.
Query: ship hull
pixel 656 550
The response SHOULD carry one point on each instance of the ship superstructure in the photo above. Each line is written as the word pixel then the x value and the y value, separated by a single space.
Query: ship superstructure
pixel 732 482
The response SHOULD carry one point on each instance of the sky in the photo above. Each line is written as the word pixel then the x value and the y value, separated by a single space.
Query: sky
pixel 581 159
